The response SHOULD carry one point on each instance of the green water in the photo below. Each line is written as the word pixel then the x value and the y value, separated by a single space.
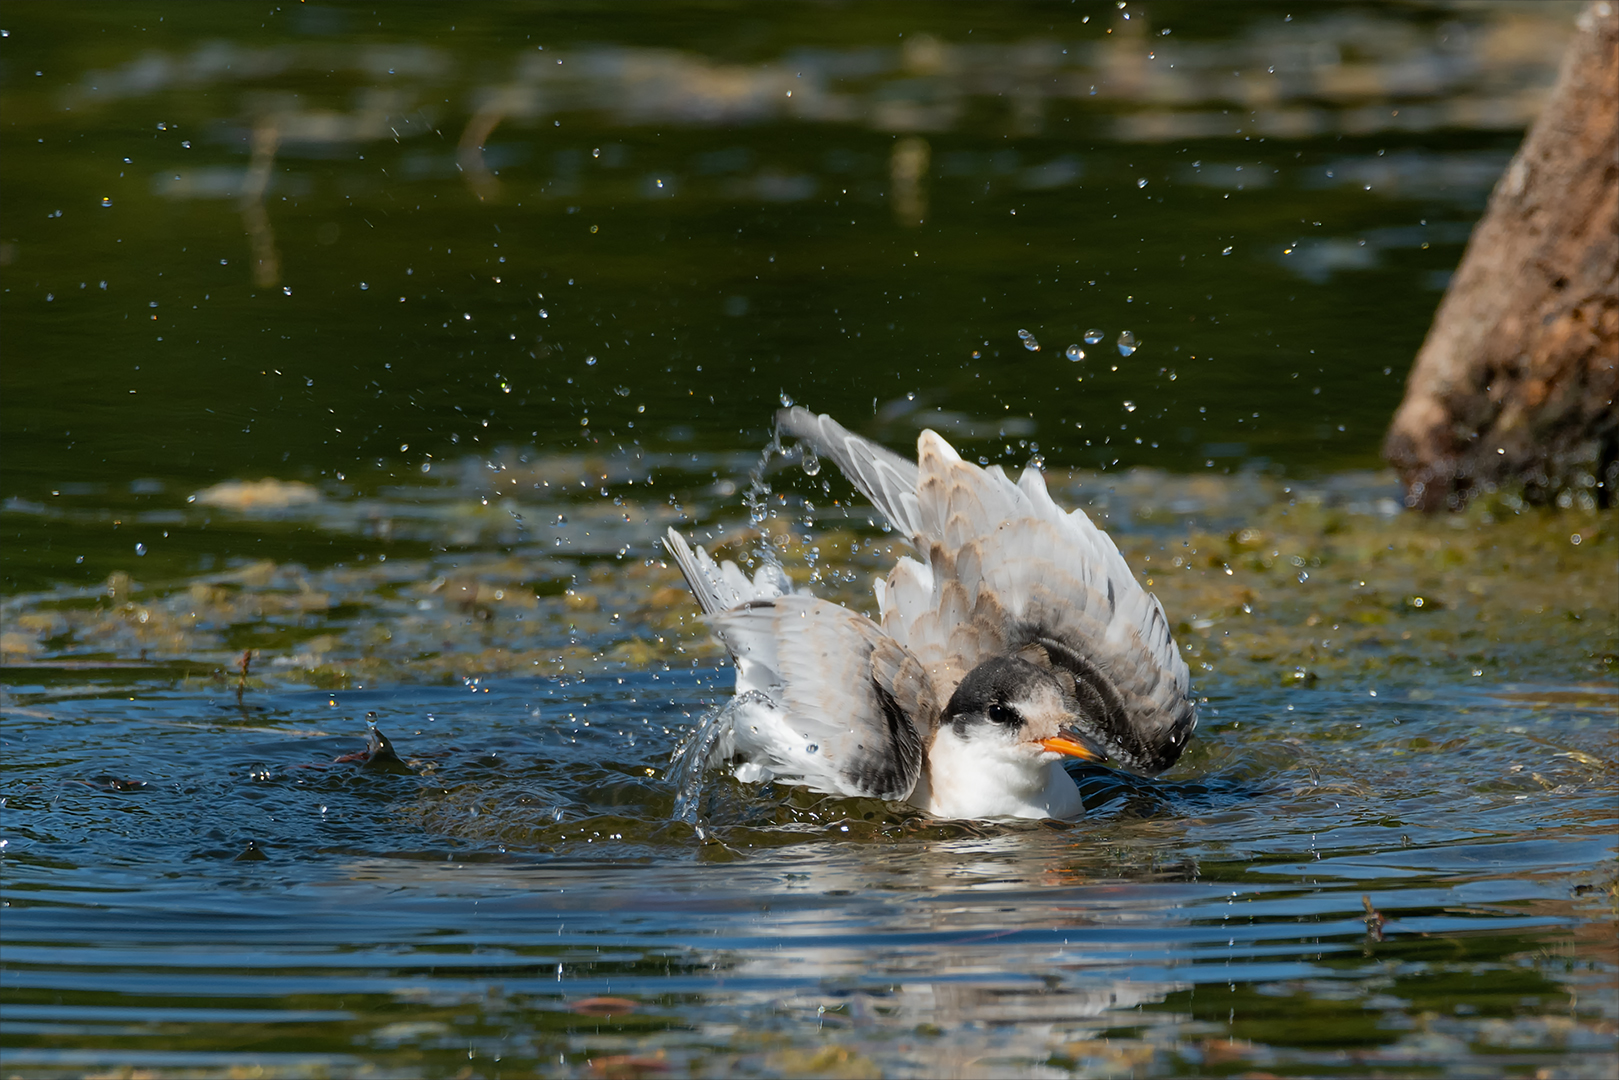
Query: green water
pixel 496 294
pixel 408 312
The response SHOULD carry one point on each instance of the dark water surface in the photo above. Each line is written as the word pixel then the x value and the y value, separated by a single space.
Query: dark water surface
pixel 492 295
pixel 266 243
pixel 519 901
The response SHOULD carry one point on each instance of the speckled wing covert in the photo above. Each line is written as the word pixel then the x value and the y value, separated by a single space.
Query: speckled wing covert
pixel 824 697
pixel 1006 571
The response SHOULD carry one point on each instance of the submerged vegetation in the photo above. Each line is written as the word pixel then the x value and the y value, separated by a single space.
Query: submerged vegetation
pixel 1264 581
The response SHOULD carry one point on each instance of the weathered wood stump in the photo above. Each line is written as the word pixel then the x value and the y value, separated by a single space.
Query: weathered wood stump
pixel 1517 379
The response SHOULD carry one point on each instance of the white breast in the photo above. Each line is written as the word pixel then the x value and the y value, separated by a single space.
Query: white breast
pixel 979 780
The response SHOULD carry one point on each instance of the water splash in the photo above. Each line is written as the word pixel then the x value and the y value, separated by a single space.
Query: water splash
pixel 707 744
pixel 689 761
pixel 757 496
pixel 709 740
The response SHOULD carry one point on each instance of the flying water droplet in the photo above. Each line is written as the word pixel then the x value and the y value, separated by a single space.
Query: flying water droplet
pixel 811 461
pixel 786 401
pixel 1127 343
pixel 286 290
pixel 1227 251
pixel 106 202
pixel 1074 353
pixel 140 549
pixel 1129 406
pixel 1028 341
pixel 1142 182
pixel 1092 336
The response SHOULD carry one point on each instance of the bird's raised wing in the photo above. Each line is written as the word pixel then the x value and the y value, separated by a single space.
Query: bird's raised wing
pixel 850 709
pixel 1009 571
pixel 1006 571
pixel 721 586
pixel 882 476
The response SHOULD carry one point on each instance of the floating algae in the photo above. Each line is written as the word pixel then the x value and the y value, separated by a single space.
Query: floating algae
pixel 1263 580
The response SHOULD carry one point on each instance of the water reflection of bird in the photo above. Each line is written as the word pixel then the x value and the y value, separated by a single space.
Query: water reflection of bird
pixel 1018 638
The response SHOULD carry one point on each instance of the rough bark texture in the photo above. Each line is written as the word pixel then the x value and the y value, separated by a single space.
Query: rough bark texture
pixel 1518 376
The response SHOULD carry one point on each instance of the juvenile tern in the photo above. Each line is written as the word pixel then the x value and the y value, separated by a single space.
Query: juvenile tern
pixel 1015 637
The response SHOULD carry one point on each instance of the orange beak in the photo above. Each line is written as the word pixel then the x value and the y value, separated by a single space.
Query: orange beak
pixel 1064 745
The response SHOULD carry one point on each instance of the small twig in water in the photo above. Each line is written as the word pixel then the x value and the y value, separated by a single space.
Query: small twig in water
pixel 1374 919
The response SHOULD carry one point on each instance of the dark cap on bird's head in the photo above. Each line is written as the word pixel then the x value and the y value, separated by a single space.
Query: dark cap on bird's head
pixel 1015 699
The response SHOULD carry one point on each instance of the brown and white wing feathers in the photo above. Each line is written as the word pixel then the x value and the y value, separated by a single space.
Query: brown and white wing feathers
pixel 1004 570
pixel 1037 575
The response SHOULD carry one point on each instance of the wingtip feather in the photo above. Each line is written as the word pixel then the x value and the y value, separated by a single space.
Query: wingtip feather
pixel 930 442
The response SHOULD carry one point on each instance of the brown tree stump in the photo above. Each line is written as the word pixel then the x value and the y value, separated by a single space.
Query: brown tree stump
pixel 1517 379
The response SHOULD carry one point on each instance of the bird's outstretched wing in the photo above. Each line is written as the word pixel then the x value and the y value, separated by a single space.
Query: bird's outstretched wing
pixel 1006 571
pixel 882 476
pixel 851 709
pixel 827 699
pixel 722 586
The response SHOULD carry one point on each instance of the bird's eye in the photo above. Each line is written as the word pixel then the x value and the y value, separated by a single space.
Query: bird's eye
pixel 1000 714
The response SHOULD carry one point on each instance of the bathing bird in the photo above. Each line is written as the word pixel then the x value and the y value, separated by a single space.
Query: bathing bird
pixel 1012 637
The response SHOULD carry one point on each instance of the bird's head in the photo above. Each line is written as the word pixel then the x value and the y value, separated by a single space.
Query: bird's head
pixel 1015 712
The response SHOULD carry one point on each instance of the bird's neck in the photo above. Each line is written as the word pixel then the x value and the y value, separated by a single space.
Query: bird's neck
pixel 963 780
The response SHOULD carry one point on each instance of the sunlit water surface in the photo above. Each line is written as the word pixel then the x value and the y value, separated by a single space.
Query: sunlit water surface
pixel 194 879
